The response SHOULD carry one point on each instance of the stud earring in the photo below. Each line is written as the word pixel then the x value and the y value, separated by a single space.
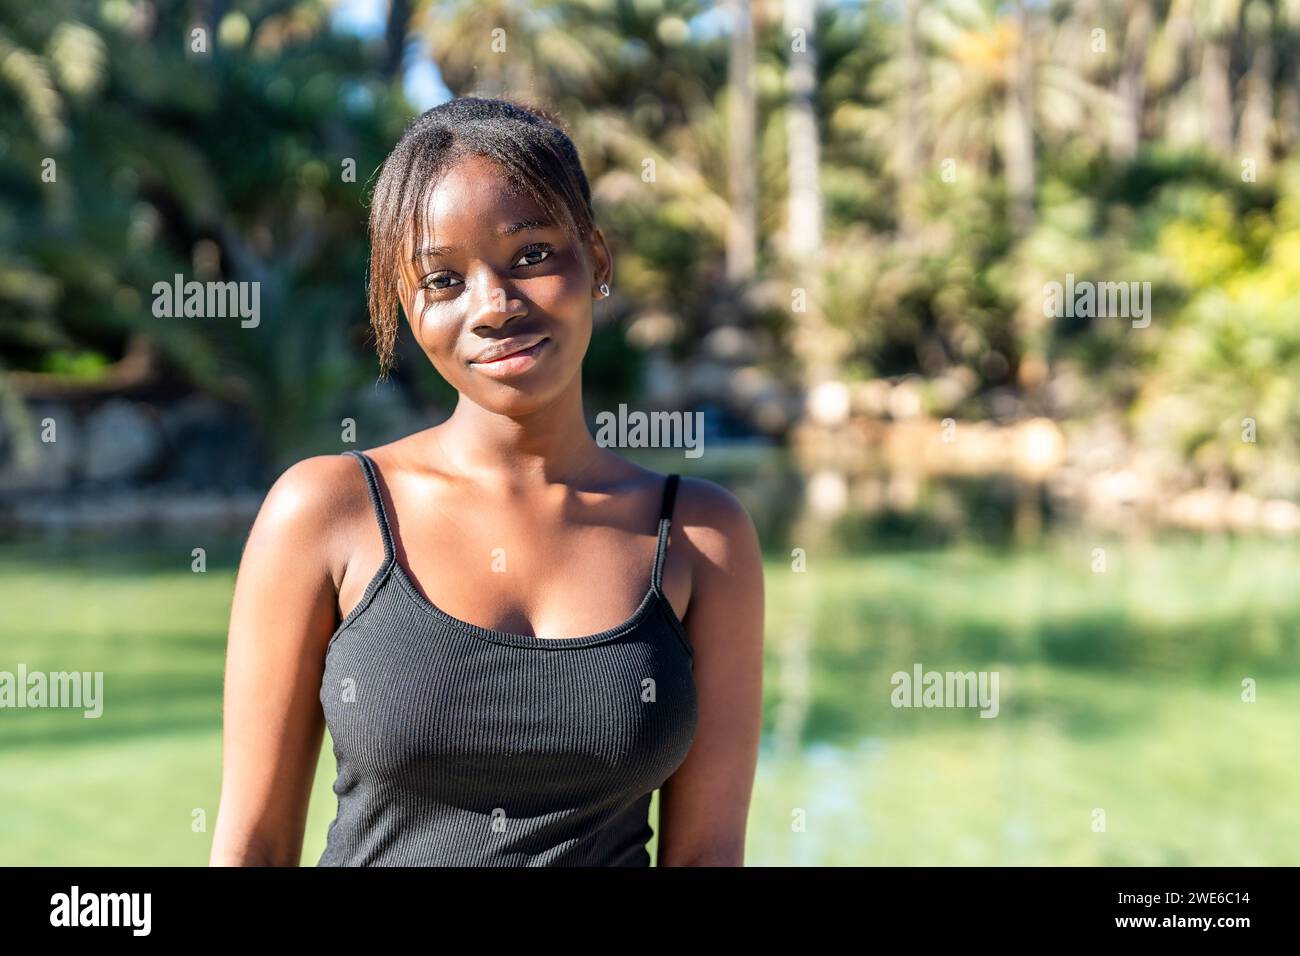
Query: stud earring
pixel 604 289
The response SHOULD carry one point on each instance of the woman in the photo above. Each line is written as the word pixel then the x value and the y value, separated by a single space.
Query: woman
pixel 513 634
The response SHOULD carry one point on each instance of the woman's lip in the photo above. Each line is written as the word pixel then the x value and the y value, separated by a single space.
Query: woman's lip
pixel 513 363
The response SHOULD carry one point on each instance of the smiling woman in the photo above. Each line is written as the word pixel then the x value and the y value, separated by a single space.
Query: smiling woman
pixel 597 628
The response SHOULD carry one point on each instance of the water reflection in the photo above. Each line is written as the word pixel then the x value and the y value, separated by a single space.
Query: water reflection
pixel 1122 681
pixel 1122 661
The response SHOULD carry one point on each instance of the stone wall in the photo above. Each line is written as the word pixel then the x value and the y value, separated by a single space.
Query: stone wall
pixel 115 460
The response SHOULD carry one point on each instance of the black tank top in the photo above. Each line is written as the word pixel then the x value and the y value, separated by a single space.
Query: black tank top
pixel 460 745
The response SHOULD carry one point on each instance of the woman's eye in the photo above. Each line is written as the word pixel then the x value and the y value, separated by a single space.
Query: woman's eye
pixel 441 281
pixel 533 255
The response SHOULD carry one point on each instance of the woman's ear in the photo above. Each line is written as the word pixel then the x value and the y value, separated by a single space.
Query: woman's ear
pixel 602 260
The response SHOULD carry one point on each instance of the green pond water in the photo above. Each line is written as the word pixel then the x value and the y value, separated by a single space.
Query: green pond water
pixel 1147 713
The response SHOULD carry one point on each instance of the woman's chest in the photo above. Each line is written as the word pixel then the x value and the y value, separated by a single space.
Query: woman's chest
pixel 463 715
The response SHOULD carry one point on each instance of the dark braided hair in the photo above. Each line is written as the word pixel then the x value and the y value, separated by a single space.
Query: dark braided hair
pixel 527 142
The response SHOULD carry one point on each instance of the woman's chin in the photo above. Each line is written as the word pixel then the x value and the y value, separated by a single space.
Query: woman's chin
pixel 517 399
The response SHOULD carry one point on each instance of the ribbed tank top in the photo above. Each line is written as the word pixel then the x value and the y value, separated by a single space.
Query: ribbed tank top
pixel 460 745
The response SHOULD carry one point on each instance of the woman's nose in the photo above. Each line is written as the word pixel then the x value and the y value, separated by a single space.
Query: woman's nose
pixel 492 302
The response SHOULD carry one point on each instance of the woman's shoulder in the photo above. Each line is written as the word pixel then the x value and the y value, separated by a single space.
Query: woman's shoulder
pixel 708 513
pixel 713 532
pixel 304 529
pixel 314 496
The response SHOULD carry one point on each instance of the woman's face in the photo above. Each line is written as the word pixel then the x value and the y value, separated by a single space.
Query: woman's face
pixel 498 296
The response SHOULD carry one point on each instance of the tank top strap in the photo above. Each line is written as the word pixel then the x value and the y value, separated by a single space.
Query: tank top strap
pixel 376 499
pixel 665 525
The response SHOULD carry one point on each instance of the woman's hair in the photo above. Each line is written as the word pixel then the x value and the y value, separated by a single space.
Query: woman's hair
pixel 528 143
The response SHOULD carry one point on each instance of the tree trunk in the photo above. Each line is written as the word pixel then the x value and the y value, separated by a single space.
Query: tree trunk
pixel 742 233
pixel 1288 111
pixel 803 143
pixel 1257 112
pixel 399 18
pixel 1130 88
pixel 1018 132
pixel 1217 95
pixel 811 342
pixel 909 127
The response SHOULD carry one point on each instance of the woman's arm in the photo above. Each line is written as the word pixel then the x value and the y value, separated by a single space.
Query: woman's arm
pixel 704 806
pixel 285 609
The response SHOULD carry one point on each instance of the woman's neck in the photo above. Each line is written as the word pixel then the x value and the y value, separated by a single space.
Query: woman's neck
pixel 551 445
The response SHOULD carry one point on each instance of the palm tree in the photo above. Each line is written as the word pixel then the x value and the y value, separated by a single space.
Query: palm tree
pixel 817 358
pixel 1216 23
pixel 1190 69
pixel 1017 125
pixel 803 140
pixel 742 234
pixel 992 82
pixel 1130 79
pixel 546 49
pixel 909 123
pixel 258 200
pixel 28 77
pixel 1253 134
pixel 399 19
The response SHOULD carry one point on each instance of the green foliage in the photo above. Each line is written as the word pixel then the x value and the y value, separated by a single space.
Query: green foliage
pixel 1231 352
pixel 228 165
pixel 224 165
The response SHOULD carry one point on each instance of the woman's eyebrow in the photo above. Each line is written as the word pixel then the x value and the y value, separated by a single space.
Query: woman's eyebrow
pixel 523 225
pixel 430 252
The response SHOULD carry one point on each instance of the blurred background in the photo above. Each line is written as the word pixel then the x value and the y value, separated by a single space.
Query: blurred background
pixel 835 225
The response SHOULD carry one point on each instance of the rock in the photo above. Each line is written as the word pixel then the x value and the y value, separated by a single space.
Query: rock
pixel 1278 516
pixel 28 462
pixel 653 330
pixel 662 381
pixel 771 415
pixel 729 343
pixel 123 441
pixel 828 403
pixel 708 380
pixel 906 399
pixel 212 445
pixel 828 492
